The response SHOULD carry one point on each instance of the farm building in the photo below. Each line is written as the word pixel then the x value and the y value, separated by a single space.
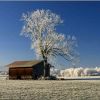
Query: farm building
pixel 28 69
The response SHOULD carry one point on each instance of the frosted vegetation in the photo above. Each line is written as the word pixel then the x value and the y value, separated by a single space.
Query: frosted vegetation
pixel 74 72
pixel 49 90
pixel 40 26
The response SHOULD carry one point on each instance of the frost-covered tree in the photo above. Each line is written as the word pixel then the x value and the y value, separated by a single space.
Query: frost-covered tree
pixel 40 26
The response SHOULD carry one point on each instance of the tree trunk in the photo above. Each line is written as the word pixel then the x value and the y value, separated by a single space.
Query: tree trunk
pixel 45 65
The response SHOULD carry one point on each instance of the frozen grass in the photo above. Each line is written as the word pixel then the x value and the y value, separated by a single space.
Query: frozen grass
pixel 50 90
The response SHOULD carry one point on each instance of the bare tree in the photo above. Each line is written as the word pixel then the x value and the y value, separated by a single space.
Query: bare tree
pixel 40 26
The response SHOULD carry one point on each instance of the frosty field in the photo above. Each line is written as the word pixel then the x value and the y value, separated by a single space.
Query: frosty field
pixel 50 90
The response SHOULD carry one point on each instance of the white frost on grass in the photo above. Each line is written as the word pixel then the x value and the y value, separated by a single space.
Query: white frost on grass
pixel 4 77
pixel 49 90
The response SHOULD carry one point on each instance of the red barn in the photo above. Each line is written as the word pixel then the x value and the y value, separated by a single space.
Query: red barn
pixel 27 69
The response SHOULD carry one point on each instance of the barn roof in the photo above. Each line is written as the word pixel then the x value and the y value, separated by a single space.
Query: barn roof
pixel 24 63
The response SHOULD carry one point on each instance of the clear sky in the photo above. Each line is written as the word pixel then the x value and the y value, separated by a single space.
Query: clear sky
pixel 81 19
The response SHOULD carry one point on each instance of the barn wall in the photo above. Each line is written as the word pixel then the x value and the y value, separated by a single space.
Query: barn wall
pixel 38 70
pixel 20 73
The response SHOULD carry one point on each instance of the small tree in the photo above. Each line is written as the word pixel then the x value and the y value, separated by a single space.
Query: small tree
pixel 40 26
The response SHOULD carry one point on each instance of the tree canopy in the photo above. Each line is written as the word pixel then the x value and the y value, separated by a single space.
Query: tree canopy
pixel 40 27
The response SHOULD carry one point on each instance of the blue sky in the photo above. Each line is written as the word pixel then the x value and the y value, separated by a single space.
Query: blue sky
pixel 81 19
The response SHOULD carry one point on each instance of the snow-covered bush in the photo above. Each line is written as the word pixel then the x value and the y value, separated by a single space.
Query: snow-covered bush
pixel 74 72
pixel 90 72
pixel 54 72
